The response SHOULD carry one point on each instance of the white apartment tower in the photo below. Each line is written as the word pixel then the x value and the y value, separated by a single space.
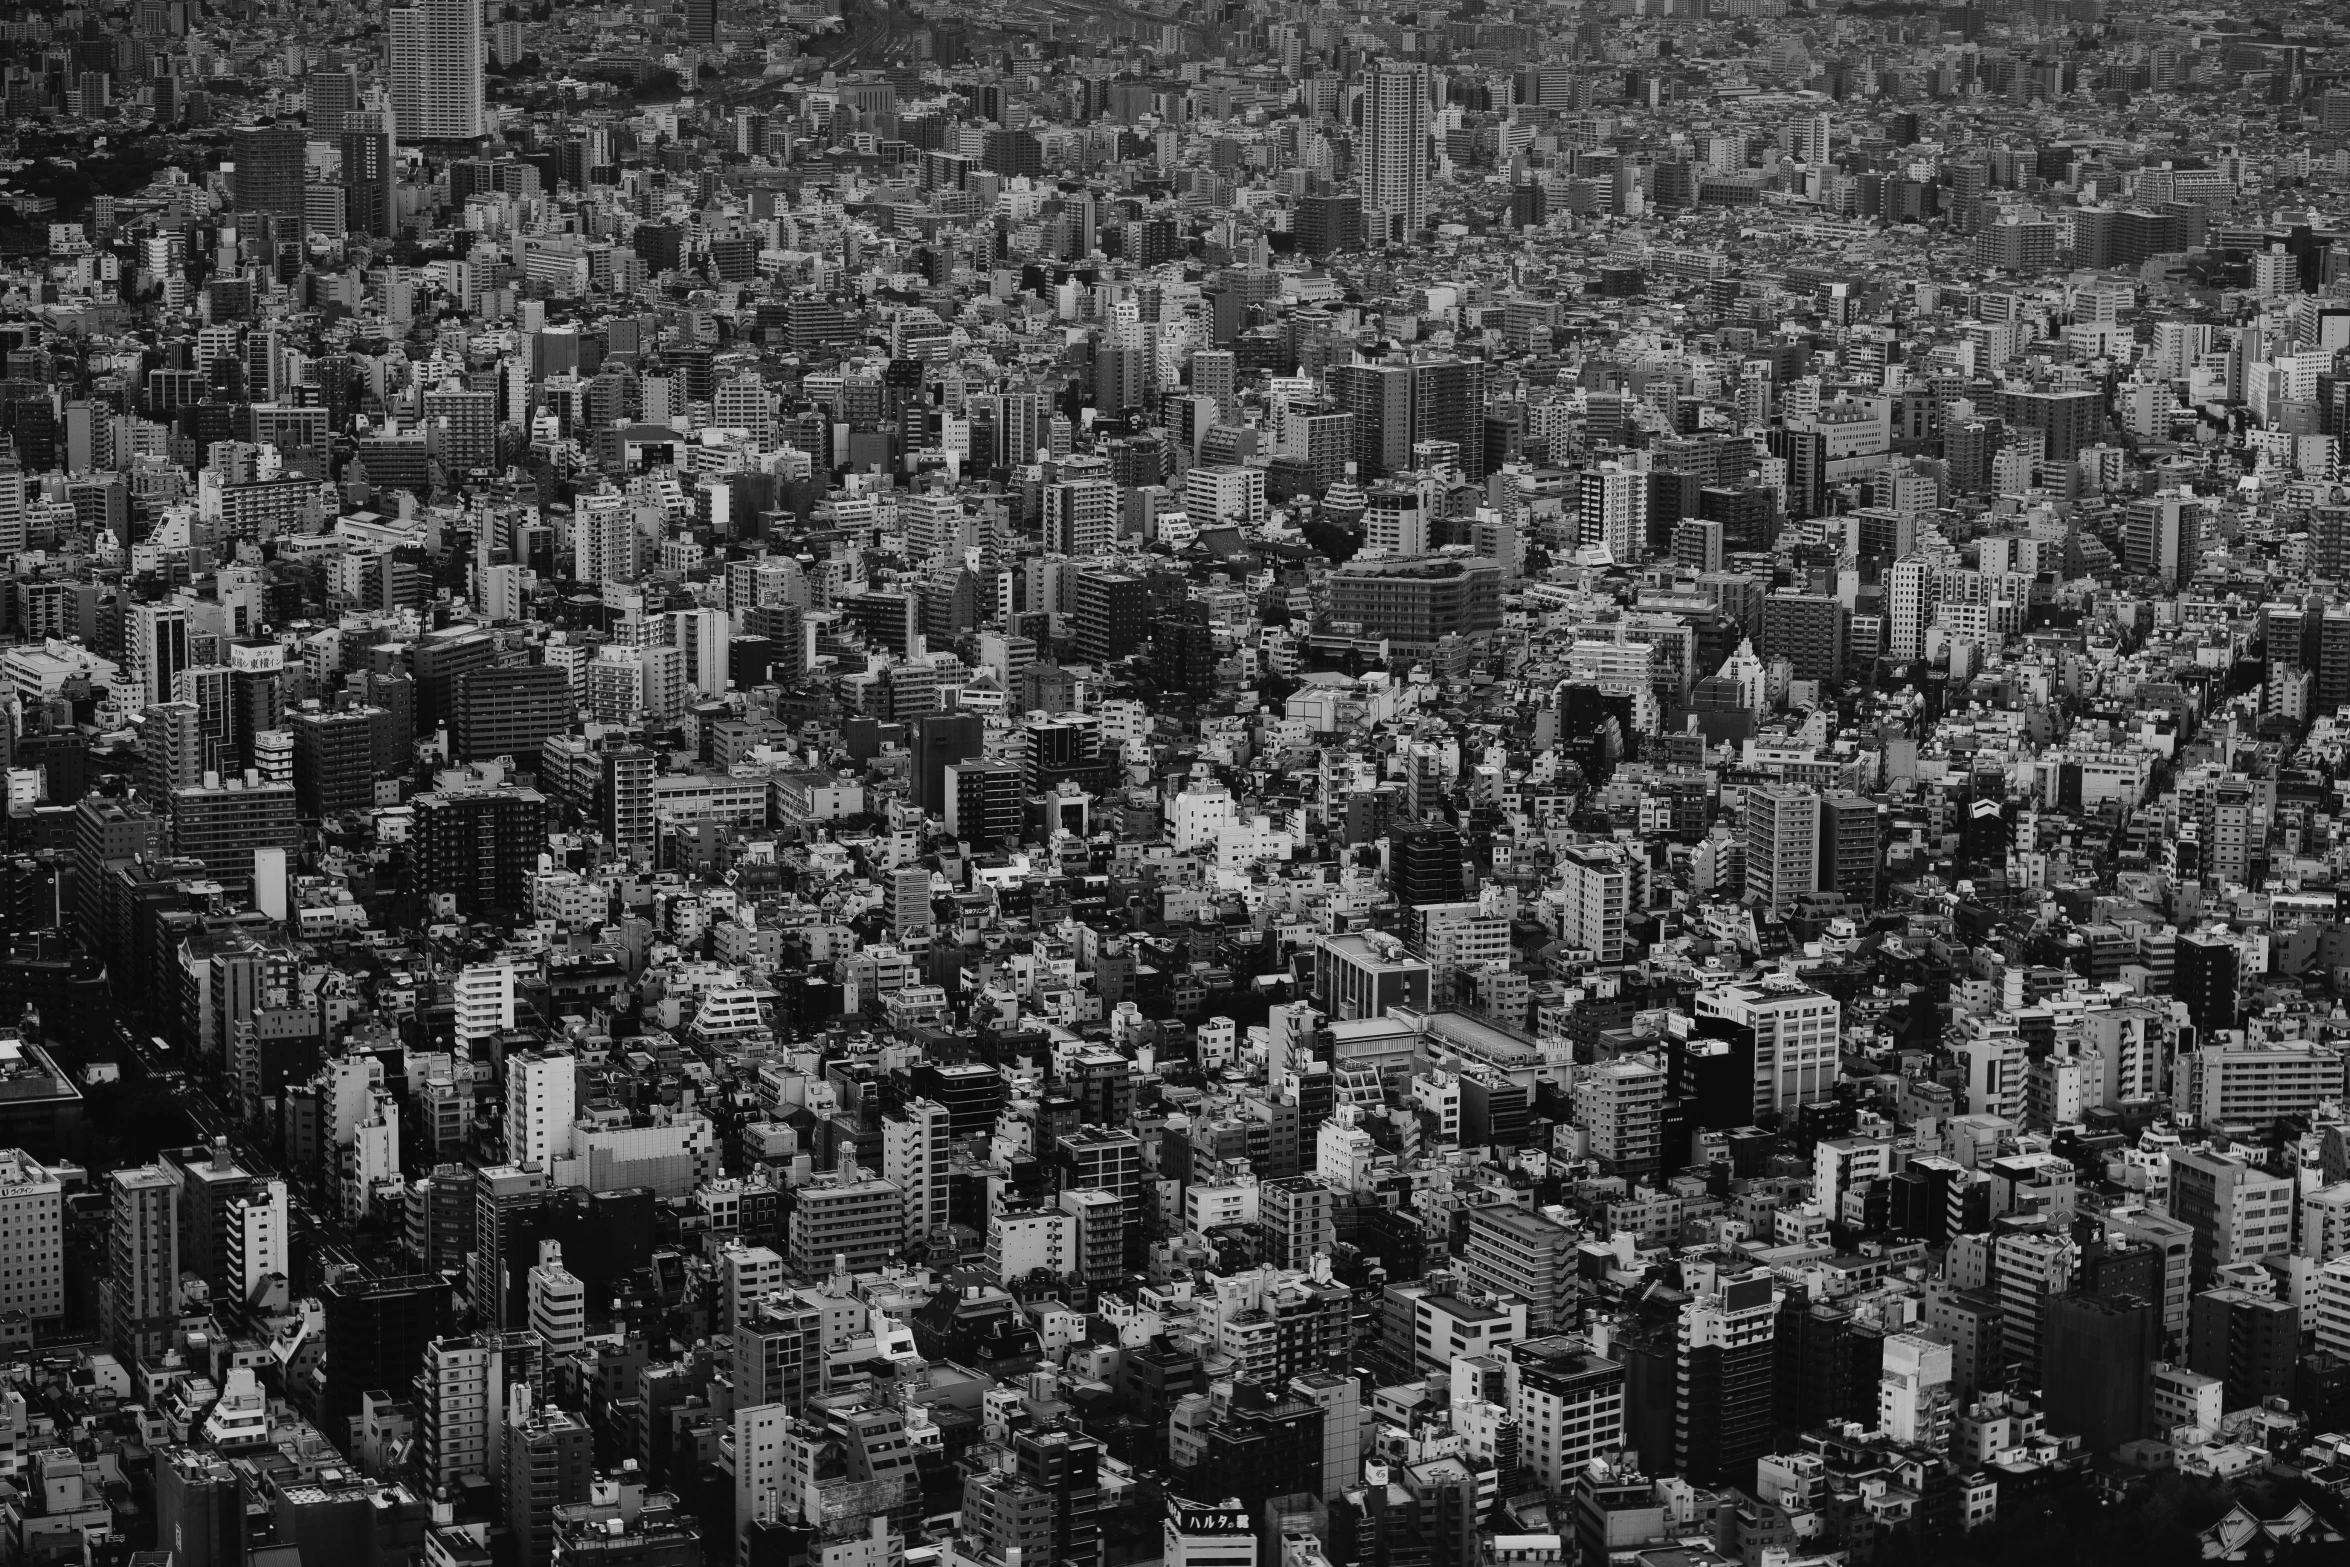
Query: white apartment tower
pixel 1596 885
pixel 436 70
pixel 1395 143
pixel 257 1238
pixel 1909 606
pixel 914 1157
pixel 484 997
pixel 1613 511
pixel 542 1097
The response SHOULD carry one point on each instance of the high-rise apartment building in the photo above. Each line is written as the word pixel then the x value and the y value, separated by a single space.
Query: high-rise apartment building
pixel 541 1100
pixel 436 63
pixel 1597 881
pixel 1395 147
pixel 914 1145
pixel 140 1297
pixel 1782 846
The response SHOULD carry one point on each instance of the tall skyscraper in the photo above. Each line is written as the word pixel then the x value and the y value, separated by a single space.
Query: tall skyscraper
pixel 370 177
pixel 1395 144
pixel 436 70
pixel 140 1298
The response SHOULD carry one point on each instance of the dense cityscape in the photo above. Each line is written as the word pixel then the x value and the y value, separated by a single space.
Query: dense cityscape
pixel 1096 783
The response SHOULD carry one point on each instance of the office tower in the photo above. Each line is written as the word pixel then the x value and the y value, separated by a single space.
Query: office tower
pixel 914 1157
pixel 1395 148
pixel 2097 1363
pixel 376 1333
pixel 939 740
pixel 701 23
pixel 371 175
pixel 1723 1369
pixel 223 823
pixel 32 1237
pixel 140 1294
pixel 1788 1031
pixel 509 710
pixel 541 1102
pixel 480 846
pixel 2208 980
pixel 158 637
pixel 558 1301
pixel 1424 866
pixel 435 64
pixel 270 173
pixel 1782 847
pixel 550 1463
